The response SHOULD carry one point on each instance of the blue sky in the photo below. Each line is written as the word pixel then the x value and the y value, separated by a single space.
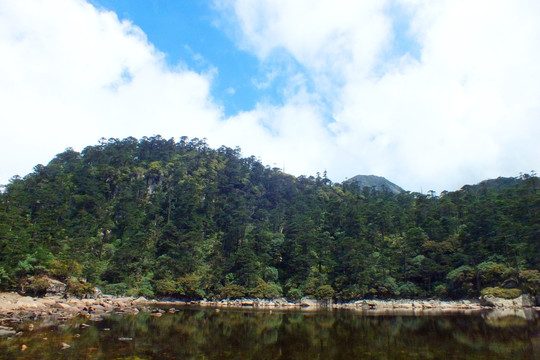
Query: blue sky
pixel 429 94
pixel 192 34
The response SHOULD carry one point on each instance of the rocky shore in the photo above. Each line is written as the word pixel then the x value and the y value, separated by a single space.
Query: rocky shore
pixel 16 309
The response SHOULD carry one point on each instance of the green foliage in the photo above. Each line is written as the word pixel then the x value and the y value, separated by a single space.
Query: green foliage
pixel 36 286
pixel 265 290
pixel 165 287
pixel 462 281
pixel 409 290
pixel 189 287
pixel 501 293
pixel 324 292
pixel 64 269
pixel 232 291
pixel 493 274
pixel 530 281
pixel 441 291
pixel 158 217
pixel 294 294
pixel 79 288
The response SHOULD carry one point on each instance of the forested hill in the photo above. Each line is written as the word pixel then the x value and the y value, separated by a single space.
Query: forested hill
pixel 156 217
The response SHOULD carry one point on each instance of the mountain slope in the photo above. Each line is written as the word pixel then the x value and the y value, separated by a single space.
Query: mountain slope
pixel 378 182
pixel 156 217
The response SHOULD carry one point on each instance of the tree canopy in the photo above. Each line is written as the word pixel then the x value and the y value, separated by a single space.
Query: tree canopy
pixel 156 217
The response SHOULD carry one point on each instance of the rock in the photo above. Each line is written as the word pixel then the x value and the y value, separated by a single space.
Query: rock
pixel 6 331
pixel 306 302
pixel 140 301
pixel 63 306
pixel 47 286
pixel 525 301
pixel 520 302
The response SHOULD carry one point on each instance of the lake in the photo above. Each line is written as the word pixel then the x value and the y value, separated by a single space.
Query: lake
pixel 207 333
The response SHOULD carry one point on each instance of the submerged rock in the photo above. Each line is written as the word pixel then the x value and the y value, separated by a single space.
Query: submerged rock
pixel 6 331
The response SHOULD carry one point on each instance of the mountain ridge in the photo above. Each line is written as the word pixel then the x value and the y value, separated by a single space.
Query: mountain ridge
pixel 373 181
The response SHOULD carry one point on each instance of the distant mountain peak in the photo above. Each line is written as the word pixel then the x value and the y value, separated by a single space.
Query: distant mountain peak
pixel 378 182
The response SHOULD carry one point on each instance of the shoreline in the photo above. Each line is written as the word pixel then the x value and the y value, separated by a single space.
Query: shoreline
pixel 26 307
pixel 16 309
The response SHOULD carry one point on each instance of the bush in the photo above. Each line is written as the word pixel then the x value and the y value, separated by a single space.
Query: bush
pixel 79 288
pixel 462 282
pixel 324 292
pixel 189 286
pixel 165 287
pixel 36 286
pixel 441 291
pixel 530 281
pixel 294 294
pixel 409 290
pixel 265 290
pixel 64 269
pixel 493 274
pixel 120 288
pixel 232 291
pixel 501 293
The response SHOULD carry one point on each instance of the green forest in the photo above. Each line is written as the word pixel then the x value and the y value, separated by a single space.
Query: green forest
pixel 164 218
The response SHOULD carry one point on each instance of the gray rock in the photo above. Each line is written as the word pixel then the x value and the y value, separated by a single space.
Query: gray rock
pixel 306 302
pixel 6 331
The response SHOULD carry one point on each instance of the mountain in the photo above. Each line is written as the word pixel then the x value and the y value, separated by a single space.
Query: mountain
pixel 378 182
pixel 164 218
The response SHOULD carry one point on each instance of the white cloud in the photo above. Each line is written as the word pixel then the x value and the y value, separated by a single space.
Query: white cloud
pixel 466 110
pixel 71 74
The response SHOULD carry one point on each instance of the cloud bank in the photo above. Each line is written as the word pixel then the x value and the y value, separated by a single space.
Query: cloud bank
pixel 462 109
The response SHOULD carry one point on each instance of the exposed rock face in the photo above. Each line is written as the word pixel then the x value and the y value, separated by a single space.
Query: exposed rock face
pixel 372 181
pixel 523 301
pixel 43 286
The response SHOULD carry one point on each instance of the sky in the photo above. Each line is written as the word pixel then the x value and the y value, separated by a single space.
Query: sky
pixel 431 94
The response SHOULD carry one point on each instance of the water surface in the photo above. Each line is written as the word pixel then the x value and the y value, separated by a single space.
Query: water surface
pixel 204 333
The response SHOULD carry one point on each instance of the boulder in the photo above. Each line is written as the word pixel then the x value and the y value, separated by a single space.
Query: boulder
pixel 6 331
pixel 140 301
pixel 522 301
pixel 306 302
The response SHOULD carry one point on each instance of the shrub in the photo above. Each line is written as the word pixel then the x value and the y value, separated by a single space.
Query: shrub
pixel 493 274
pixel 79 288
pixel 265 290
pixel 189 286
pixel 409 290
pixel 120 288
pixel 64 269
pixel 441 291
pixel 324 292
pixel 165 287
pixel 530 281
pixel 36 286
pixel 501 293
pixel 294 294
pixel 232 291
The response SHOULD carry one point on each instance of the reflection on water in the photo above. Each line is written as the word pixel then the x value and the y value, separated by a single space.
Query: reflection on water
pixel 202 333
